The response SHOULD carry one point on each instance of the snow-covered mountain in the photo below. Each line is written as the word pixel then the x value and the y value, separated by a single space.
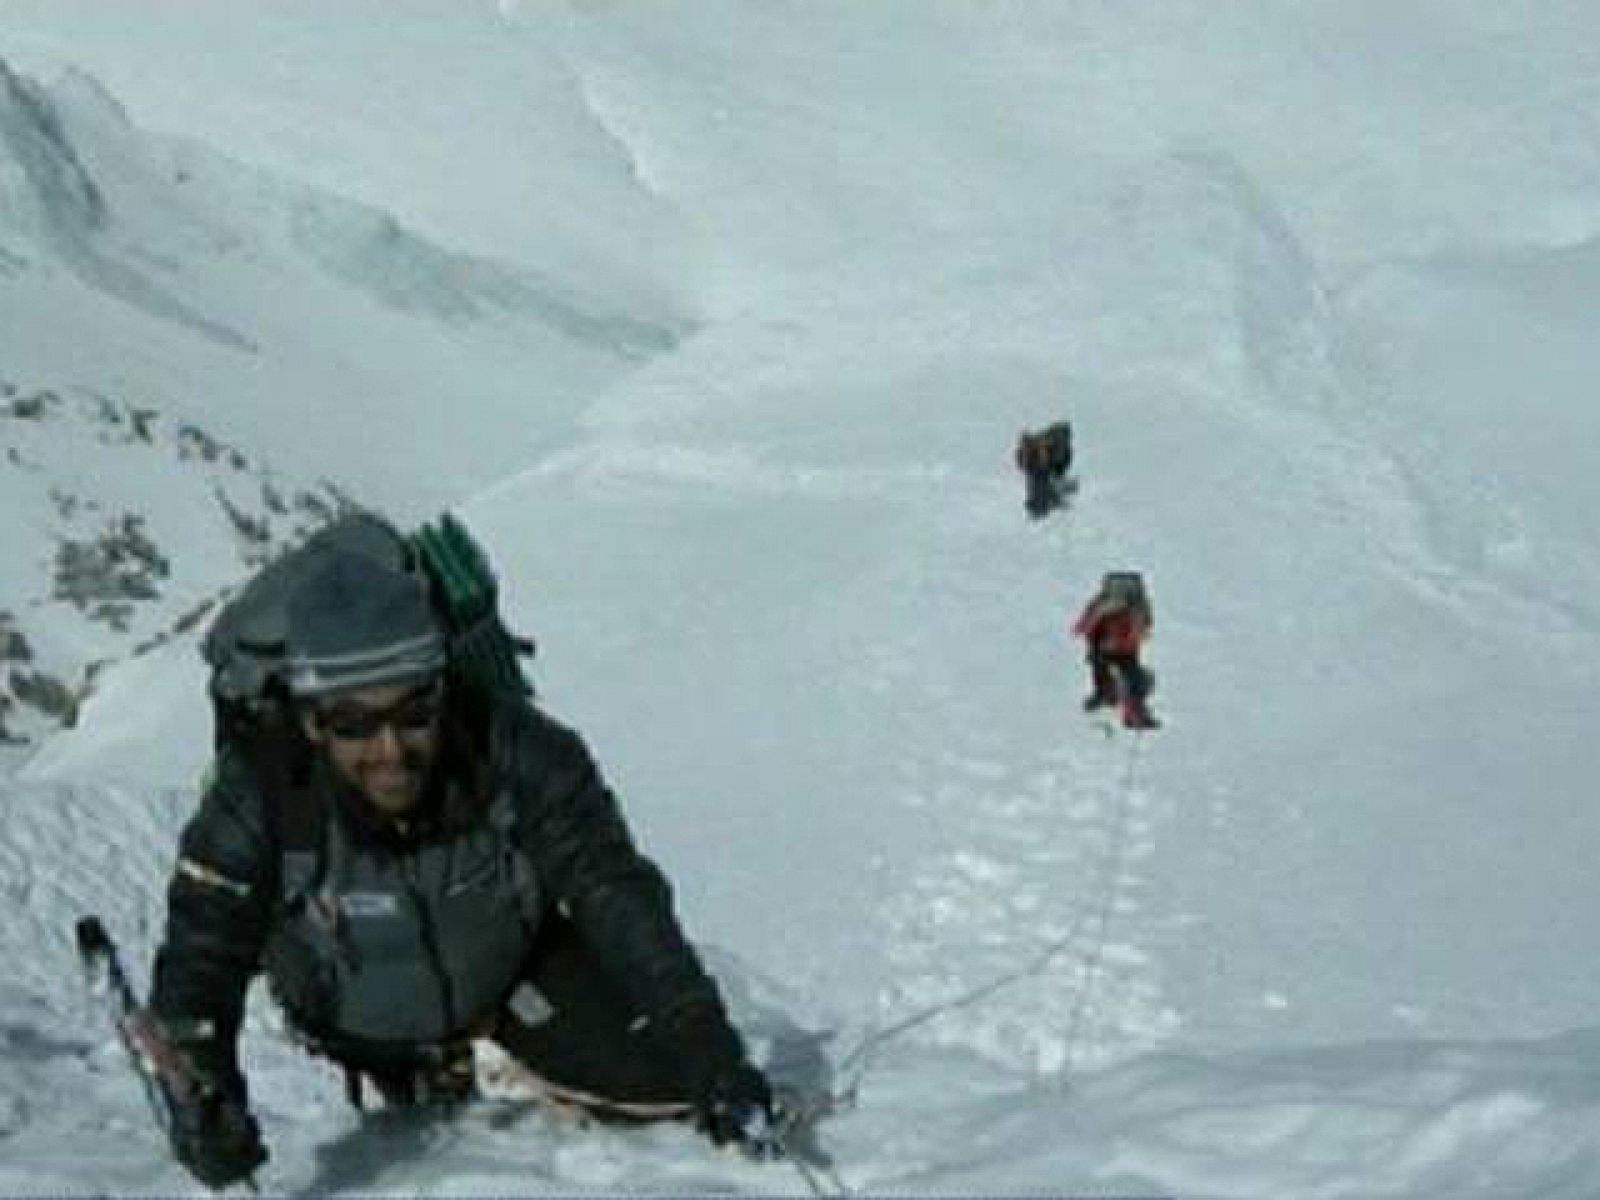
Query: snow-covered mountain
pixel 166 306
pixel 717 323
pixel 216 291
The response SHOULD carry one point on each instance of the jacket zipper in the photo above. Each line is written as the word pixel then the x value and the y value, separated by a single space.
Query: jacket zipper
pixel 430 941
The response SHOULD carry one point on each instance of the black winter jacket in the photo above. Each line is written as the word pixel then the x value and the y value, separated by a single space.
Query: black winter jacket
pixel 225 900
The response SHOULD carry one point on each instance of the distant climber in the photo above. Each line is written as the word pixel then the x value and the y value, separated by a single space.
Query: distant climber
pixel 1114 624
pixel 1044 458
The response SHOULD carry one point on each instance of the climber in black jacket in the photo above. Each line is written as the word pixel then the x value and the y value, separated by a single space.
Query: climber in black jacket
pixel 466 875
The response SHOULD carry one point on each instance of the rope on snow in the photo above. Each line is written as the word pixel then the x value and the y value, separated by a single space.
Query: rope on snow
pixel 1099 917
pixel 823 1181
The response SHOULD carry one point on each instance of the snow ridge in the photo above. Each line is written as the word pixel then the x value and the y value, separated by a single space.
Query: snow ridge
pixel 44 186
pixel 84 186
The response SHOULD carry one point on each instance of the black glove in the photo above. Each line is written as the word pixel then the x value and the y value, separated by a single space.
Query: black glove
pixel 212 1131
pixel 734 1107
pixel 216 1138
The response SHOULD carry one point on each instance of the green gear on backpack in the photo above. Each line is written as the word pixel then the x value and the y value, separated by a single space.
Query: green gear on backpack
pixel 466 594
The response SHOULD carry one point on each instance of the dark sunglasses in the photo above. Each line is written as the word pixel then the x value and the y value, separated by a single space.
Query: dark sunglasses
pixel 413 713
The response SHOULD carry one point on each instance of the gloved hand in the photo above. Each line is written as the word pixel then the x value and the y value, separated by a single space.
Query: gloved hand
pixel 212 1132
pixel 734 1107
pixel 215 1137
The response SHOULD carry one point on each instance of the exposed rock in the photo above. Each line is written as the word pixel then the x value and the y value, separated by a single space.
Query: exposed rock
pixel 14 645
pixel 195 442
pixel 66 504
pixel 7 737
pixel 107 568
pixel 124 423
pixel 46 693
pixel 33 407
pixel 101 576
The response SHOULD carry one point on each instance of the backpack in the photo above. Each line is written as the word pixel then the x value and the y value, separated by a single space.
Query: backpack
pixel 1047 451
pixel 1124 590
pixel 1058 447
pixel 247 643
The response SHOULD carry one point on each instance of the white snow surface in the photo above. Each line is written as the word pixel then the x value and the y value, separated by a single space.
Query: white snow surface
pixel 716 322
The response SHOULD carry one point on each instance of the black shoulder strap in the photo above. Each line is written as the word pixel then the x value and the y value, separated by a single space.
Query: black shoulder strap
pixel 300 830
pixel 281 761
pixel 298 825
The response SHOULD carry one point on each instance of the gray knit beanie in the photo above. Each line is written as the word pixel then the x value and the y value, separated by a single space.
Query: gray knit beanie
pixel 358 622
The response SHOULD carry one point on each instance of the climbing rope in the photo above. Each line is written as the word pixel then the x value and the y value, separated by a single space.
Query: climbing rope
pixel 792 1133
pixel 820 1178
pixel 1099 917
pixel 1091 963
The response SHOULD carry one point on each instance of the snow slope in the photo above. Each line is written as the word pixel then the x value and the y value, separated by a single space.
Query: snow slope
pixel 1315 286
pixel 215 290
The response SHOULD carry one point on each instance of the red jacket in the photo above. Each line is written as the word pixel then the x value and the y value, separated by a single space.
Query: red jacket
pixel 1112 631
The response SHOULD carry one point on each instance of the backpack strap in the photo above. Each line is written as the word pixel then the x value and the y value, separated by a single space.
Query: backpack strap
pixel 280 760
pixel 299 828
